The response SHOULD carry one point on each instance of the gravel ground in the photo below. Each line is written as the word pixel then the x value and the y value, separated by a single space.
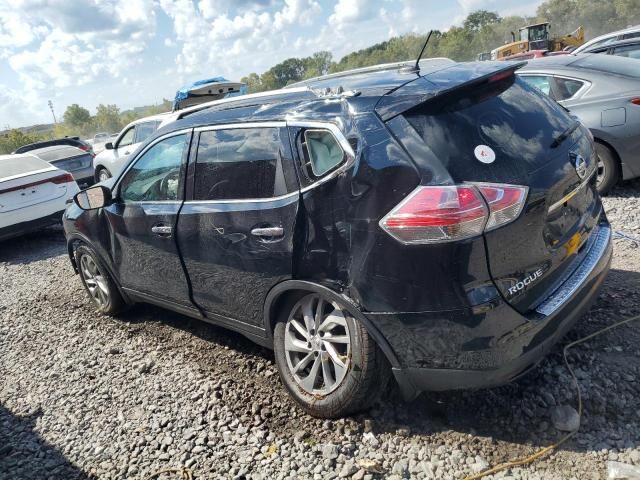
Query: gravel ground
pixel 85 396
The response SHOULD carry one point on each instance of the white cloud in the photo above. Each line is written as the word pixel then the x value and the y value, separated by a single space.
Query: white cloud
pixel 346 12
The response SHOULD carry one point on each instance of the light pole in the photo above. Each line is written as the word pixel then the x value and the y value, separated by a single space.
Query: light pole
pixel 52 112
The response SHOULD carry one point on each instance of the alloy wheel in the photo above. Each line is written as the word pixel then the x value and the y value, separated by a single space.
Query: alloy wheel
pixel 601 172
pixel 103 175
pixel 95 281
pixel 317 345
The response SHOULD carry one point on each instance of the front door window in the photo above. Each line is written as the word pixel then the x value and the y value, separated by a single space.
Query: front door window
pixel 157 174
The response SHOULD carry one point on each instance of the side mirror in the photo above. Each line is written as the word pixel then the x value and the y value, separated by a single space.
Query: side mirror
pixel 108 146
pixel 93 198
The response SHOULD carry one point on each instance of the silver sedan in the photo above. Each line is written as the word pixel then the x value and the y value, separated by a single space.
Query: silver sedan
pixel 603 91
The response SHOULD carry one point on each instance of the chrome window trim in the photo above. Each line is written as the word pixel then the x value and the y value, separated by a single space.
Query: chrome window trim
pixel 116 185
pixel 244 200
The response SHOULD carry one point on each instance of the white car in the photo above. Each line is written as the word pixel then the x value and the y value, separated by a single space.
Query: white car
pixel 110 161
pixel 625 34
pixel 33 194
pixel 115 154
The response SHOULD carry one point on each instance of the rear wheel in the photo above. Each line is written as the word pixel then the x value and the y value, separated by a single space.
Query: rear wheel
pixel 608 169
pixel 98 283
pixel 102 174
pixel 326 359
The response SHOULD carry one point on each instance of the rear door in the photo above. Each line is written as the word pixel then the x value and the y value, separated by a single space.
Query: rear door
pixel 142 221
pixel 527 134
pixel 236 232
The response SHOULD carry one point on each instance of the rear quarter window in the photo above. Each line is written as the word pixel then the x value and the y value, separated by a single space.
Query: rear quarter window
pixel 514 119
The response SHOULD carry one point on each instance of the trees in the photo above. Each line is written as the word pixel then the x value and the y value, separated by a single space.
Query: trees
pixel 76 116
pixel 13 139
pixel 107 118
pixel 480 19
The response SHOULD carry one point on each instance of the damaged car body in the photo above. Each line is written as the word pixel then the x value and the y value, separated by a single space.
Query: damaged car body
pixel 383 219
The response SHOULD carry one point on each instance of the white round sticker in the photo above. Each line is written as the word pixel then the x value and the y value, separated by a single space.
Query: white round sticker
pixel 485 154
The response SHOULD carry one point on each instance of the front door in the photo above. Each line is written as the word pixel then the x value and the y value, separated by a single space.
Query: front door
pixel 236 233
pixel 142 221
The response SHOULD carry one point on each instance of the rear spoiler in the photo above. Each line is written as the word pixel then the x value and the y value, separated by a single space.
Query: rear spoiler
pixel 434 85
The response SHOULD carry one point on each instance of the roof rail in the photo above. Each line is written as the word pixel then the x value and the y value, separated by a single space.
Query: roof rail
pixel 270 93
pixel 374 68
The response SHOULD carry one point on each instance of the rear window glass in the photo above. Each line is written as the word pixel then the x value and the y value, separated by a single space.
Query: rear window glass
pixel 512 118
pixel 239 164
pixel 609 64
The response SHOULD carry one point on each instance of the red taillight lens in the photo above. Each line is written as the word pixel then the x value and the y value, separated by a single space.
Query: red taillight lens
pixel 635 101
pixel 435 214
pixel 505 203
pixel 64 178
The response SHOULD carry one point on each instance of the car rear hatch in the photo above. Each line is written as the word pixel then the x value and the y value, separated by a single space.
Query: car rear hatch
pixel 482 126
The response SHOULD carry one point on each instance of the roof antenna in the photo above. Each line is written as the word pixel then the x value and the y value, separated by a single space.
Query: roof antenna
pixel 416 67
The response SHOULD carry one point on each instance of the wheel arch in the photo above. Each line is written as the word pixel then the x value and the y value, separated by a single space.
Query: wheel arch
pixel 278 295
pixel 76 240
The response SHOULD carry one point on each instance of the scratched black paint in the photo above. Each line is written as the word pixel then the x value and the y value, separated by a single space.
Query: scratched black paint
pixel 439 311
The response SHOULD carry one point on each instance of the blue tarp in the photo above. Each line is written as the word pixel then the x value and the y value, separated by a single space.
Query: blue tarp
pixel 186 91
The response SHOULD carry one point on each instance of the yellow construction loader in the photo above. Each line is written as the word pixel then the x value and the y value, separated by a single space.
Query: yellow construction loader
pixel 538 37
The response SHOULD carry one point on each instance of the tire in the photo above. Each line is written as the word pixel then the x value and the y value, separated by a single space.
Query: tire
pixel 336 391
pixel 99 285
pixel 102 174
pixel 608 169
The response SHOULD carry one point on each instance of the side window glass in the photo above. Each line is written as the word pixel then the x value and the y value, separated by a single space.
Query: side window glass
pixel 127 138
pixel 631 35
pixel 541 82
pixel 631 51
pixel 145 130
pixel 567 88
pixel 240 163
pixel 322 153
pixel 157 174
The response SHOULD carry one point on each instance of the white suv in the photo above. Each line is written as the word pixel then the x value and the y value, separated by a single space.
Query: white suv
pixel 109 162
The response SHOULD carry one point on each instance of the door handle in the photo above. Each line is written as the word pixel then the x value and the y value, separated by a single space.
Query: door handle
pixel 126 153
pixel 162 230
pixel 268 232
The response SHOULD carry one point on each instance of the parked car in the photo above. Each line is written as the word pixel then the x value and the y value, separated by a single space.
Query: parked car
pixel 33 194
pixel 69 141
pixel 624 34
pixel 109 161
pixel 101 137
pixel 531 54
pixel 604 93
pixel 442 224
pixel 623 48
pixel 71 159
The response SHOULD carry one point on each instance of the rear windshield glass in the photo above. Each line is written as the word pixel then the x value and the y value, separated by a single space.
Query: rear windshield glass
pixel 609 64
pixel 516 121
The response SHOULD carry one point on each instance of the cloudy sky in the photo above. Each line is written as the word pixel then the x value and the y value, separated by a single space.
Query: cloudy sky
pixel 134 52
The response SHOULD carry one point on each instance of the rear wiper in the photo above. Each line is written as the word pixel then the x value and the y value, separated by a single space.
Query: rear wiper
pixel 564 135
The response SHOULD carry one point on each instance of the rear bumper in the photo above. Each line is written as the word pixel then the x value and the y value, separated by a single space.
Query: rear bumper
pixel 30 226
pixel 461 350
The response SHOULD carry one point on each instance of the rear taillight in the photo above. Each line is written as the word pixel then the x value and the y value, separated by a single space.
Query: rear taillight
pixel 635 101
pixel 64 178
pixel 435 214
pixel 505 203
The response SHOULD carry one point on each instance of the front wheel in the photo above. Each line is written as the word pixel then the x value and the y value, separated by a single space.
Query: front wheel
pixel 98 283
pixel 326 359
pixel 102 174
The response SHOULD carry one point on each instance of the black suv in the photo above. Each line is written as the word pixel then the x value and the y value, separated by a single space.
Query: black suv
pixel 440 223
